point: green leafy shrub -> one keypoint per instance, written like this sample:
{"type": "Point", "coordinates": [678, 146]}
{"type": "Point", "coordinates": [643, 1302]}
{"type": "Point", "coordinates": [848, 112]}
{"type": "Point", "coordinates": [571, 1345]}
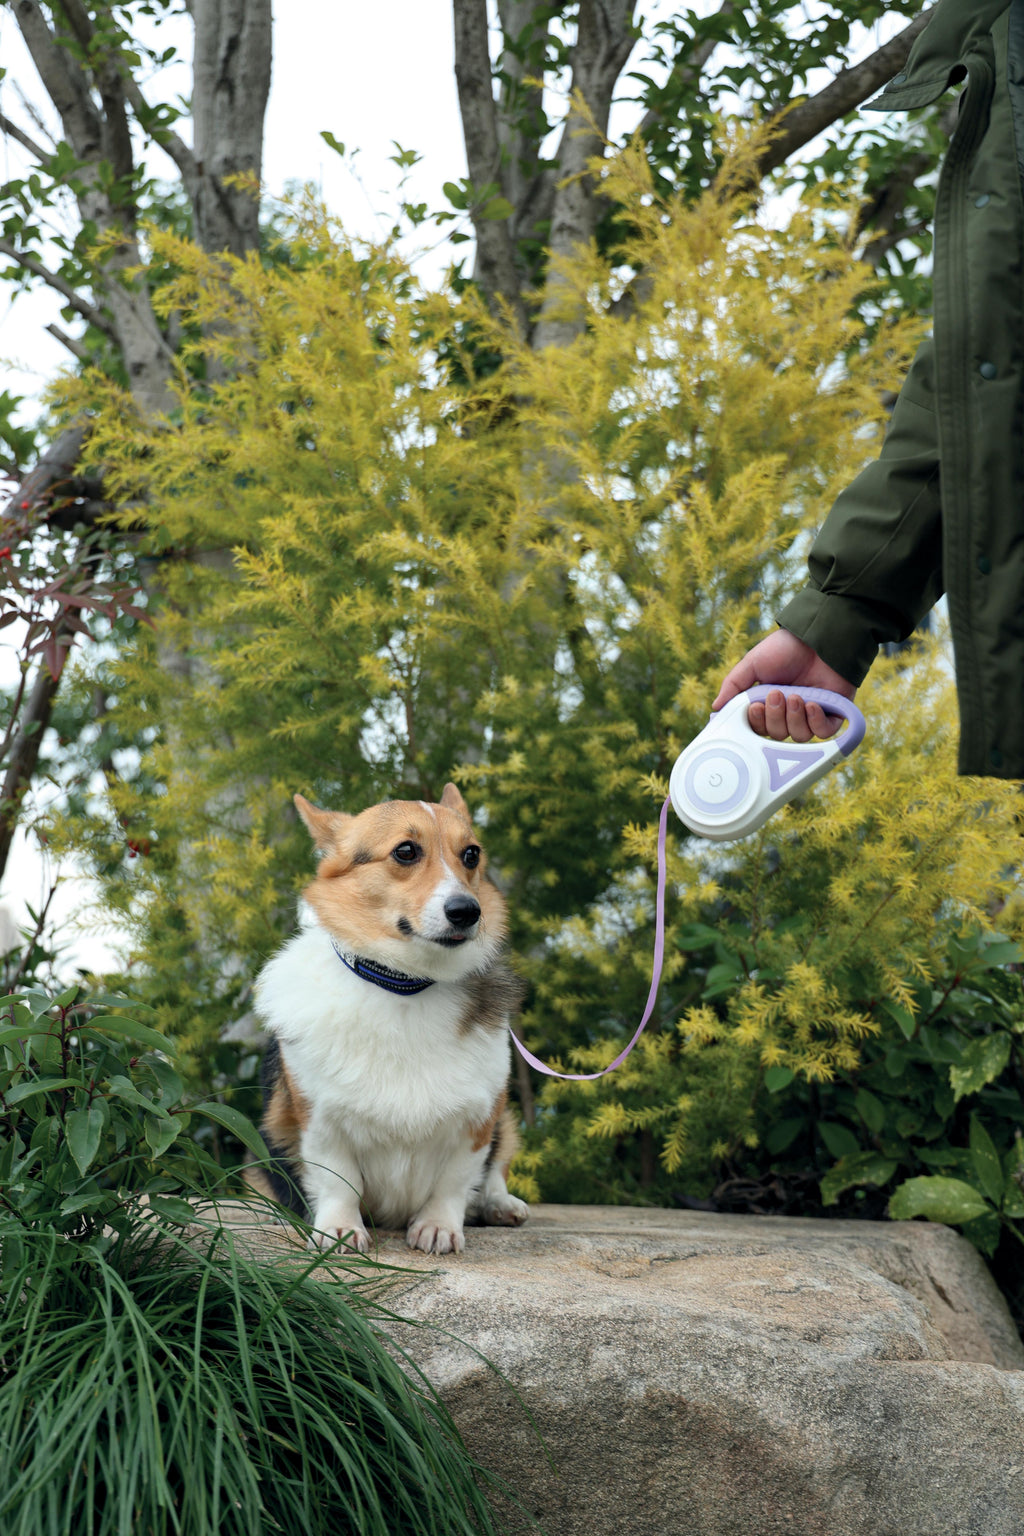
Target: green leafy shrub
{"type": "Point", "coordinates": [168, 1389]}
{"type": "Point", "coordinates": [93, 1120]}
{"type": "Point", "coordinates": [152, 1379]}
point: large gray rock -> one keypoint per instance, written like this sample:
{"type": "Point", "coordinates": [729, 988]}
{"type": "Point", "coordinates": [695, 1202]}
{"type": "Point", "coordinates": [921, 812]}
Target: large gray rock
{"type": "Point", "coordinates": [703, 1375]}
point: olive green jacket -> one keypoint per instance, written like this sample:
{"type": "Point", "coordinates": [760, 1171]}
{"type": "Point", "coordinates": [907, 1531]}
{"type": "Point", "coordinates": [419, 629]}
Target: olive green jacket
{"type": "Point", "coordinates": [942, 508]}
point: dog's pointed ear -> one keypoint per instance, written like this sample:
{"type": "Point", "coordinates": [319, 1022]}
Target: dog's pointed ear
{"type": "Point", "coordinates": [453, 801]}
{"type": "Point", "coordinates": [324, 827]}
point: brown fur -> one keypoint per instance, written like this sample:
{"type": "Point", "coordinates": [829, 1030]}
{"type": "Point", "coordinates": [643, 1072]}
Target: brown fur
{"type": "Point", "coordinates": [505, 1144]}
{"type": "Point", "coordinates": [495, 995]}
{"type": "Point", "coordinates": [482, 1134]}
{"type": "Point", "coordinates": [287, 1113]}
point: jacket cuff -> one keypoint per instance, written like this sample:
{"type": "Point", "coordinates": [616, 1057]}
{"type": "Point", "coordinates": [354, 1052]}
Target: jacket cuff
{"type": "Point", "coordinates": [842, 630]}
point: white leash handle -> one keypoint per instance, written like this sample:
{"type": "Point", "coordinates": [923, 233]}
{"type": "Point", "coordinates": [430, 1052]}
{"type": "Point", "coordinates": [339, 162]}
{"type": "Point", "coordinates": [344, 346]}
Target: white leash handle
{"type": "Point", "coordinates": [729, 780]}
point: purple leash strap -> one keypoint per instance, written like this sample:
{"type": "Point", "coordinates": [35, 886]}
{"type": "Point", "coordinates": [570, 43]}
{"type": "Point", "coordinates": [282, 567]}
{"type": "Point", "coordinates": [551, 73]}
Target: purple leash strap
{"type": "Point", "coordinates": [652, 996]}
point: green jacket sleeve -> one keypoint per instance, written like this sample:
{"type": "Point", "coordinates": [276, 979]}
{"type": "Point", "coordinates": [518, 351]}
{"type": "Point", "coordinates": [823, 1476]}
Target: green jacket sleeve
{"type": "Point", "coordinates": [876, 565]}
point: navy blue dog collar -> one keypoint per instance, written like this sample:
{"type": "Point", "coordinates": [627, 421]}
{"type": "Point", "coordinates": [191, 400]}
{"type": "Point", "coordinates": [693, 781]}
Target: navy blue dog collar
{"type": "Point", "coordinates": [382, 976]}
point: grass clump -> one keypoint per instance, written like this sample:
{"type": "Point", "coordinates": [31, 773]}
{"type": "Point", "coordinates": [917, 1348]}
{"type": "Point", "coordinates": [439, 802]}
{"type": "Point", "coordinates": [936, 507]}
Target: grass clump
{"type": "Point", "coordinates": [158, 1383]}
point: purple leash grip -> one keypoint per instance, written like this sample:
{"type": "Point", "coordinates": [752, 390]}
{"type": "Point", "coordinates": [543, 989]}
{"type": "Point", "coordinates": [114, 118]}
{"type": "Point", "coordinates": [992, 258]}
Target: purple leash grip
{"type": "Point", "coordinates": [831, 703]}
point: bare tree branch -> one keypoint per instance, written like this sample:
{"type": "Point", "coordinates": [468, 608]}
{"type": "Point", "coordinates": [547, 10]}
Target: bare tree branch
{"type": "Point", "coordinates": [14, 981]}
{"type": "Point", "coordinates": [231, 82]}
{"type": "Point", "coordinates": [55, 468]}
{"type": "Point", "coordinates": [24, 754]}
{"type": "Point", "coordinates": [21, 137]}
{"type": "Point", "coordinates": [64, 80]}
{"type": "Point", "coordinates": [800, 124]}
{"type": "Point", "coordinates": [74, 347]}
{"type": "Point", "coordinates": [54, 280]}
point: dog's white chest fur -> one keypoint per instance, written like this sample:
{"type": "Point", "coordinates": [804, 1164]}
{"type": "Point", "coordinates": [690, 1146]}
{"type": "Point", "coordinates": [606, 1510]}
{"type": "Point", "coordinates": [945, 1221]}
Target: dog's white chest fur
{"type": "Point", "coordinates": [386, 1067]}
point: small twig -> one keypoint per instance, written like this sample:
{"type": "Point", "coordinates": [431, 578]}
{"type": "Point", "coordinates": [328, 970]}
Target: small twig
{"type": "Point", "coordinates": [74, 347]}
{"type": "Point", "coordinates": [14, 132]}
{"type": "Point", "coordinates": [54, 280]}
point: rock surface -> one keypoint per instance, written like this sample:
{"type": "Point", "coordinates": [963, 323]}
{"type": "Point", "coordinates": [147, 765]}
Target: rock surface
{"type": "Point", "coordinates": [704, 1375]}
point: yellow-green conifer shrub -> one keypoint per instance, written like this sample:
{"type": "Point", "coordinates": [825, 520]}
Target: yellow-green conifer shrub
{"type": "Point", "coordinates": [531, 575]}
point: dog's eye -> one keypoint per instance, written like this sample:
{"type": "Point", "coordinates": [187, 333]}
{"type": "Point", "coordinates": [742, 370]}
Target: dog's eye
{"type": "Point", "coordinates": [406, 853]}
{"type": "Point", "coordinates": [471, 856]}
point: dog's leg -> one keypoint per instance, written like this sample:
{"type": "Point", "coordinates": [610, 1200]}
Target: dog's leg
{"type": "Point", "coordinates": [491, 1203]}
{"type": "Point", "coordinates": [495, 1206]}
{"type": "Point", "coordinates": [334, 1186]}
{"type": "Point", "coordinates": [437, 1225]}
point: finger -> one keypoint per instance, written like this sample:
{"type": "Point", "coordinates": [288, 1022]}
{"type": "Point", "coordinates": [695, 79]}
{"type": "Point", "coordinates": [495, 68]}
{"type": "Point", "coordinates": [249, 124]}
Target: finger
{"type": "Point", "coordinates": [755, 719]}
{"type": "Point", "coordinates": [775, 716]}
{"type": "Point", "coordinates": [796, 719]}
{"type": "Point", "coordinates": [742, 677]}
{"type": "Point", "coordinates": [822, 725]}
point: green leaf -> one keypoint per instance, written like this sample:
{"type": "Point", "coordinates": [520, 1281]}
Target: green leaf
{"type": "Point", "coordinates": [777, 1078]}
{"type": "Point", "coordinates": [170, 1084]}
{"type": "Point", "coordinates": [871, 1111]}
{"type": "Point", "coordinates": [984, 1232]}
{"type": "Point", "coordinates": [902, 1017]}
{"type": "Point", "coordinates": [940, 1048]}
{"type": "Point", "coordinates": [841, 1141]}
{"type": "Point", "coordinates": [332, 142]}
{"type": "Point", "coordinates": [124, 1089]}
{"type": "Point", "coordinates": [939, 1198]}
{"type": "Point", "coordinates": [88, 1196]}
{"type": "Point", "coordinates": [987, 1168]}
{"type": "Point", "coordinates": [997, 950]}
{"type": "Point", "coordinates": [1013, 1167]}
{"type": "Point", "coordinates": [233, 1120]}
{"type": "Point", "coordinates": [938, 1157]}
{"type": "Point", "coordinates": [895, 1062]}
{"type": "Point", "coordinates": [171, 1208]}
{"type": "Point", "coordinates": [980, 1062]}
{"type": "Point", "coordinates": [722, 977]}
{"type": "Point", "coordinates": [128, 1029]}
{"type": "Point", "coordinates": [12, 1034]}
{"type": "Point", "coordinates": [858, 1168]}
{"type": "Point", "coordinates": [161, 1134]}
{"type": "Point", "coordinates": [111, 1000]}
{"type": "Point", "coordinates": [783, 1134]}
{"type": "Point", "coordinates": [84, 1128]}
{"type": "Point", "coordinates": [32, 1086]}
{"type": "Point", "coordinates": [696, 936]}
{"type": "Point", "coordinates": [497, 208]}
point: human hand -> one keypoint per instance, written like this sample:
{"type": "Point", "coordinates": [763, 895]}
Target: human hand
{"type": "Point", "coordinates": [781, 658]}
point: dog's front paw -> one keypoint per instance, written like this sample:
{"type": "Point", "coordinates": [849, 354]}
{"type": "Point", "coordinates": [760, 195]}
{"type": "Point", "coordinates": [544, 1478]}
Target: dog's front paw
{"type": "Point", "coordinates": [505, 1211]}
{"type": "Point", "coordinates": [353, 1239]}
{"type": "Point", "coordinates": [435, 1234]}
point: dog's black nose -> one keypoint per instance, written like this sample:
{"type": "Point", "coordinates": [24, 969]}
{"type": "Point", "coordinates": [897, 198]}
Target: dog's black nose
{"type": "Point", "coordinates": [462, 911]}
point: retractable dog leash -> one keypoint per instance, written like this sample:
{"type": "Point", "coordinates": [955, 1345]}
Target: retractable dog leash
{"type": "Point", "coordinates": [725, 785]}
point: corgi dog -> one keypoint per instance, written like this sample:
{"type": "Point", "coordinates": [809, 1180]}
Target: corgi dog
{"type": "Point", "coordinates": [386, 1078]}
